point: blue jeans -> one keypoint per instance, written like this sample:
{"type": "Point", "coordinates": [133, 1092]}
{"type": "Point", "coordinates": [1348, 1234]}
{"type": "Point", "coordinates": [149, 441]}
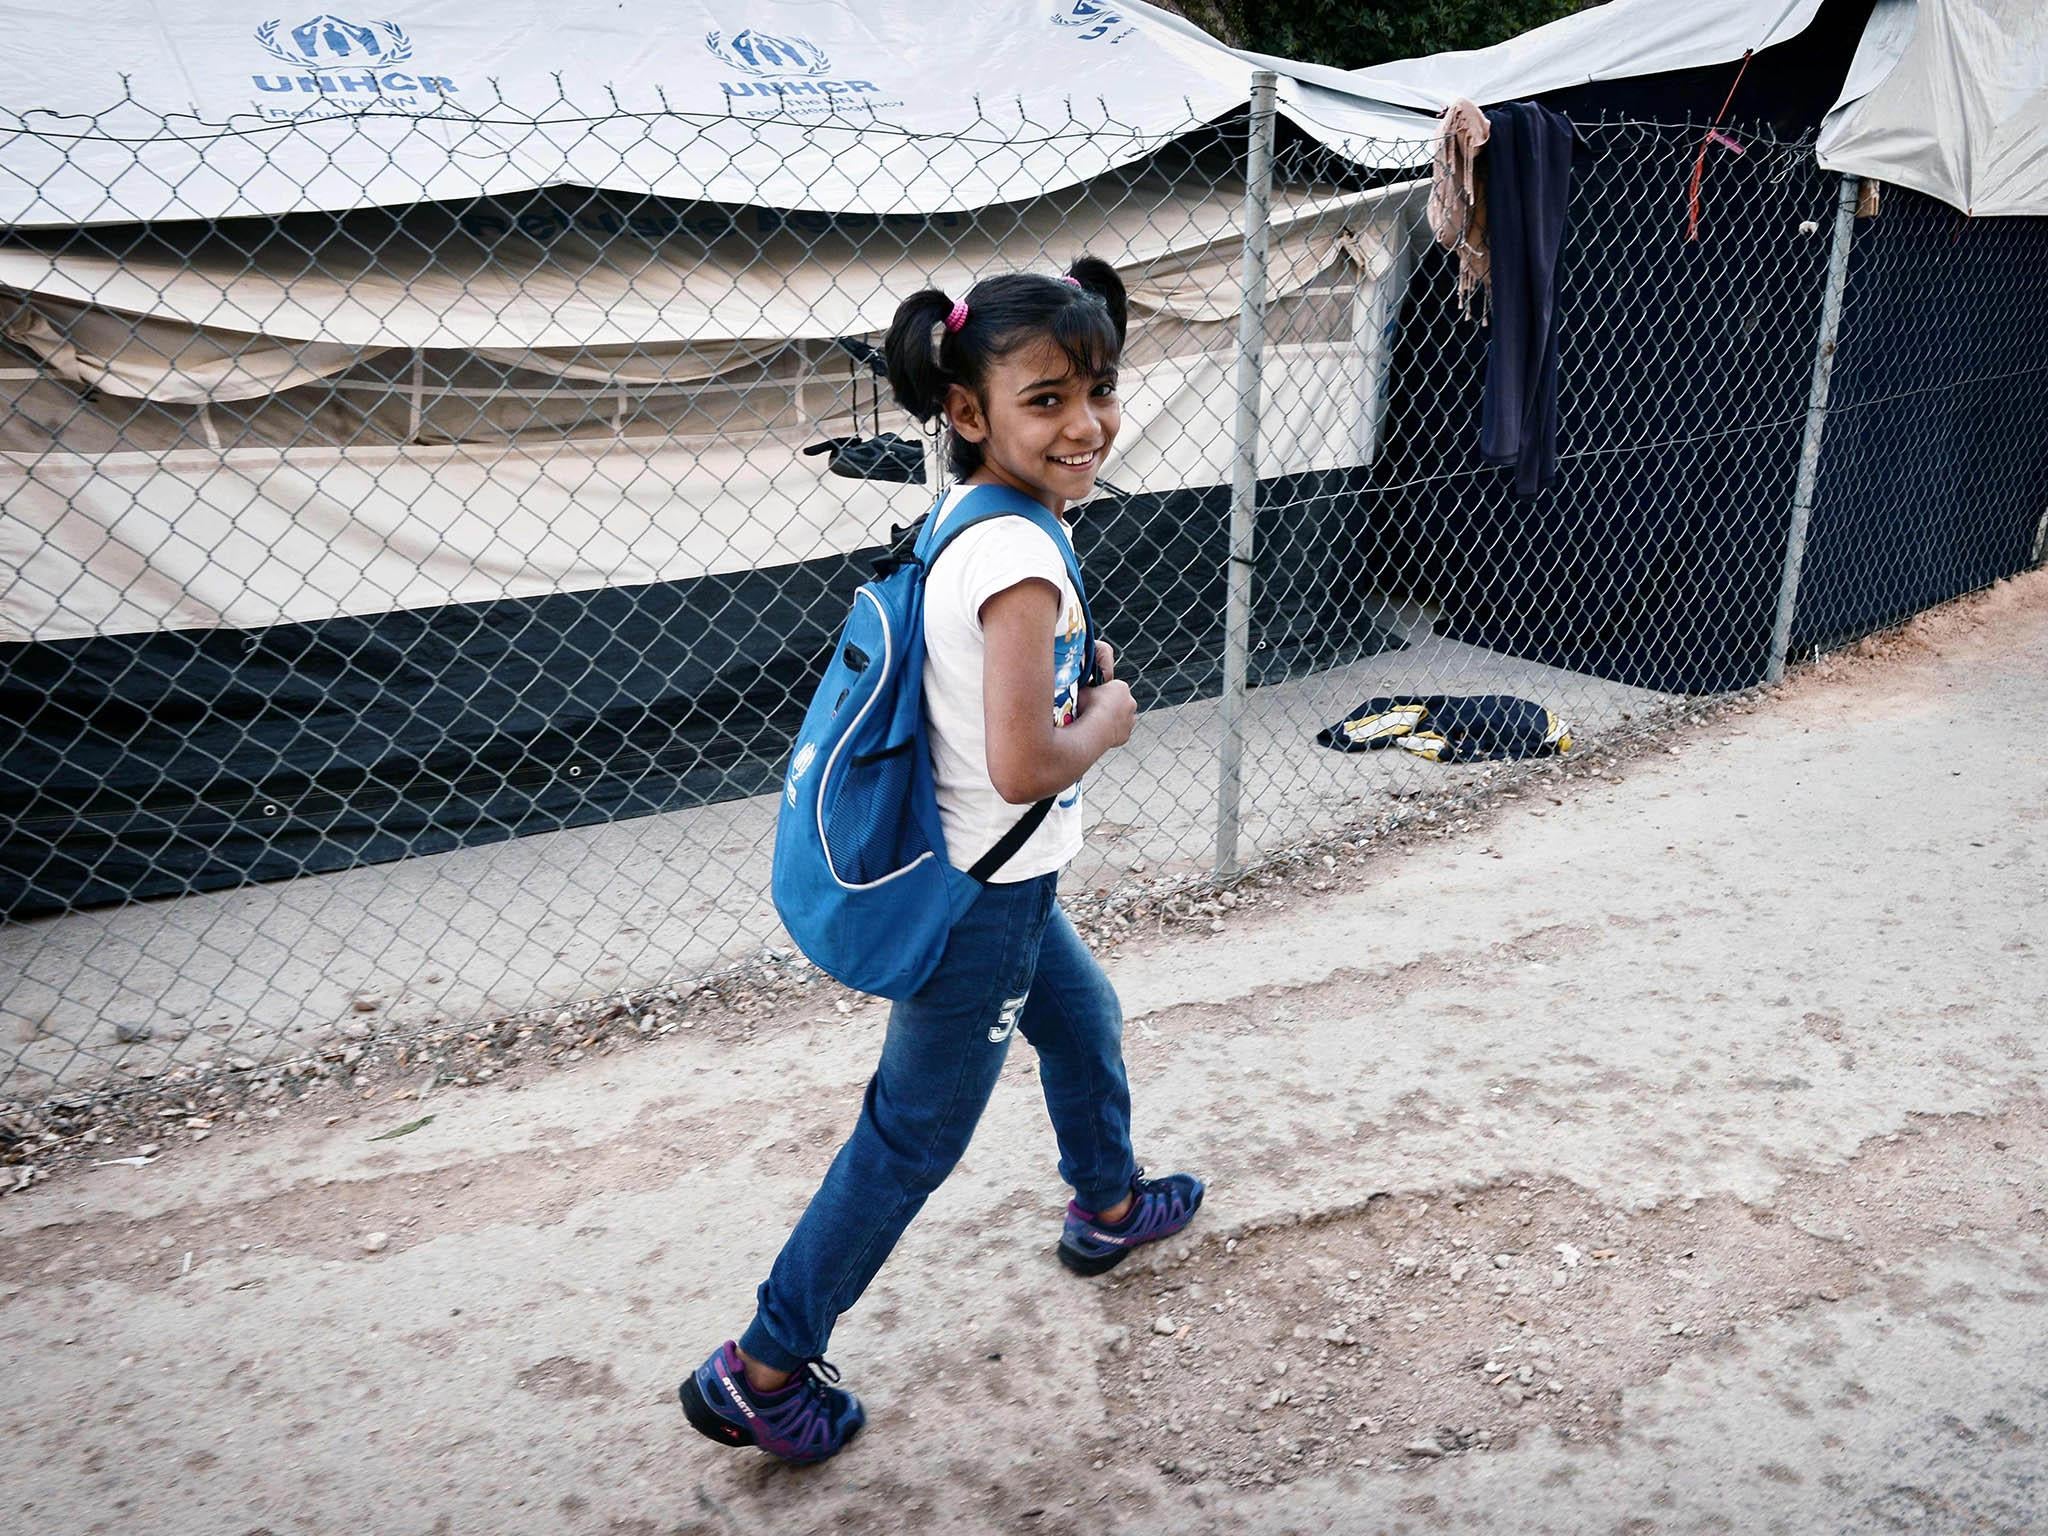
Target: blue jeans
{"type": "Point", "coordinates": [1013, 963]}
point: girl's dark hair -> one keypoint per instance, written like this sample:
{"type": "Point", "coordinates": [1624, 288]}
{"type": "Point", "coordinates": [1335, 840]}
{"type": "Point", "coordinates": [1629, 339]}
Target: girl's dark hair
{"type": "Point", "coordinates": [1086, 322]}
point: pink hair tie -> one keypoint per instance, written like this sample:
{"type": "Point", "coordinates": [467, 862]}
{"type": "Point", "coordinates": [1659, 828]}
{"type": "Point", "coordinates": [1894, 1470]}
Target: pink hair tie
{"type": "Point", "coordinates": [1070, 280]}
{"type": "Point", "coordinates": [957, 317]}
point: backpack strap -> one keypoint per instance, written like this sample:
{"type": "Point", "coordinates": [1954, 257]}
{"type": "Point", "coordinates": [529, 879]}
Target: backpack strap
{"type": "Point", "coordinates": [982, 504]}
{"type": "Point", "coordinates": [1006, 847]}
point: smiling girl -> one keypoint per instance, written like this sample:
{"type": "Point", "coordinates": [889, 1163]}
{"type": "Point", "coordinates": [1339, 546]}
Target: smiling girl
{"type": "Point", "coordinates": [1023, 370]}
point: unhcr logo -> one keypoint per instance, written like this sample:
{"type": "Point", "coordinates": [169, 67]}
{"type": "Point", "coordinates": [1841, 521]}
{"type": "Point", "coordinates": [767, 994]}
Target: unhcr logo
{"type": "Point", "coordinates": [759, 54]}
{"type": "Point", "coordinates": [1099, 19]}
{"type": "Point", "coordinates": [786, 70]}
{"type": "Point", "coordinates": [329, 42]}
{"type": "Point", "coordinates": [348, 58]}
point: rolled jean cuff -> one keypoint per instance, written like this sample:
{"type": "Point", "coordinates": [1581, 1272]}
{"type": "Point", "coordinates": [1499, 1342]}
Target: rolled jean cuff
{"type": "Point", "coordinates": [757, 1343]}
{"type": "Point", "coordinates": [1096, 1201]}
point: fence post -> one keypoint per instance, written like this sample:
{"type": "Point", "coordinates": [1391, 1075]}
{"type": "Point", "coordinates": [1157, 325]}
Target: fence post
{"type": "Point", "coordinates": [1816, 423]}
{"type": "Point", "coordinates": [1244, 469]}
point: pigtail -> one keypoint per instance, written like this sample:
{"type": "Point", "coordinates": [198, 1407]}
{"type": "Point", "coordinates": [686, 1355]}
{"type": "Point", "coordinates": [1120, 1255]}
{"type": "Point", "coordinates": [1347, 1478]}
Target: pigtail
{"type": "Point", "coordinates": [1099, 278]}
{"type": "Point", "coordinates": [912, 351]}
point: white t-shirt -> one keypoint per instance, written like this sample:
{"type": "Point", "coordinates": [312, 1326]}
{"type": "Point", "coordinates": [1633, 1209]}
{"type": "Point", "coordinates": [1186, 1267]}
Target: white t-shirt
{"type": "Point", "coordinates": [988, 558]}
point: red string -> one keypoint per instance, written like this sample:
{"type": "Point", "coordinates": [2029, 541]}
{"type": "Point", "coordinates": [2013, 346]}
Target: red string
{"type": "Point", "coordinates": [1699, 165]}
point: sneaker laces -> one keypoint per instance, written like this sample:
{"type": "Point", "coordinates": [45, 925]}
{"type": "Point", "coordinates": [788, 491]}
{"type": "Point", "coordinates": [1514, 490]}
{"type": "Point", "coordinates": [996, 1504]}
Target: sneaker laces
{"type": "Point", "coordinates": [810, 1411]}
{"type": "Point", "coordinates": [1143, 1189]}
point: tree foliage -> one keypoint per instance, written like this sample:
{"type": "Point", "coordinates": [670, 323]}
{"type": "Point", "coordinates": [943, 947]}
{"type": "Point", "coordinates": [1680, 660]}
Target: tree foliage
{"type": "Point", "coordinates": [1351, 36]}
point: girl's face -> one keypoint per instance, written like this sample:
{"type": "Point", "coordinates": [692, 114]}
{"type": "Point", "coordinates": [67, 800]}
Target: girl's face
{"type": "Point", "coordinates": [1043, 429]}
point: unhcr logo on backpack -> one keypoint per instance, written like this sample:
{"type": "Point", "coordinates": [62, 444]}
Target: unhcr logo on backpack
{"type": "Point", "coordinates": [788, 74]}
{"type": "Point", "coordinates": [349, 64]}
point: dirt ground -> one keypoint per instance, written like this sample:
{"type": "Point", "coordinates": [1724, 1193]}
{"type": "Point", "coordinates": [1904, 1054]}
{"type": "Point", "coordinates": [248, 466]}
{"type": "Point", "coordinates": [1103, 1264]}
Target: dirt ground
{"type": "Point", "coordinates": [1667, 1152]}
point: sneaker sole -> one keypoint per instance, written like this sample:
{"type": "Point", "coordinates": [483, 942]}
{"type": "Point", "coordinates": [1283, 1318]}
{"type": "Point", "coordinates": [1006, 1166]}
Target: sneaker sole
{"type": "Point", "coordinates": [1096, 1264]}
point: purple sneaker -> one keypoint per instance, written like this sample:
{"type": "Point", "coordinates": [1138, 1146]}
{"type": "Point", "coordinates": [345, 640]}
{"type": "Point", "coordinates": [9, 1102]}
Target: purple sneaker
{"type": "Point", "coordinates": [808, 1420]}
{"type": "Point", "coordinates": [1159, 1208]}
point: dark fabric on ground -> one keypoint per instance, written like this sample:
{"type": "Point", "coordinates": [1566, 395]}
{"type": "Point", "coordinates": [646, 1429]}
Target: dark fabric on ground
{"type": "Point", "coordinates": [1486, 727]}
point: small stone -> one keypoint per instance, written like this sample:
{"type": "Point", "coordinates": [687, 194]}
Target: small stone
{"type": "Point", "coordinates": [1429, 1448]}
{"type": "Point", "coordinates": [355, 1029]}
{"type": "Point", "coordinates": [376, 1242]}
{"type": "Point", "coordinates": [1559, 1279]}
{"type": "Point", "coordinates": [1459, 1268]}
{"type": "Point", "coordinates": [130, 1034]}
{"type": "Point", "coordinates": [241, 1064]}
{"type": "Point", "coordinates": [367, 1002]}
{"type": "Point", "coordinates": [1165, 1326]}
{"type": "Point", "coordinates": [1503, 1261]}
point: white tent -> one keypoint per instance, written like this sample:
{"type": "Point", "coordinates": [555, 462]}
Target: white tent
{"type": "Point", "coordinates": [583, 359]}
{"type": "Point", "coordinates": [411, 409]}
{"type": "Point", "coordinates": [862, 107]}
{"type": "Point", "coordinates": [868, 107]}
{"type": "Point", "coordinates": [1948, 97]}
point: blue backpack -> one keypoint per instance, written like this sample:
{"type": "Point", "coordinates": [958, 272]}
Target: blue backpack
{"type": "Point", "coordinates": [861, 879]}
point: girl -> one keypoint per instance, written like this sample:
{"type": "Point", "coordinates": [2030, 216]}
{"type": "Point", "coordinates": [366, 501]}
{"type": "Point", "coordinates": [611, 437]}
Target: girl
{"type": "Point", "coordinates": [1024, 371]}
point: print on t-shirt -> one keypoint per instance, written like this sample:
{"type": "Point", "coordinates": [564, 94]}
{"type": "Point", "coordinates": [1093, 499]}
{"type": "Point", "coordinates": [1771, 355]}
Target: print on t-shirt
{"type": "Point", "coordinates": [1067, 665]}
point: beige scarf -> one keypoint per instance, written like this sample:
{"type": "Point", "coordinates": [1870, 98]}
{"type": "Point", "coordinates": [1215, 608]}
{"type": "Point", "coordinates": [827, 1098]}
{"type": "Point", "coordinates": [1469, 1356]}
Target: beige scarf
{"type": "Point", "coordinates": [1457, 198]}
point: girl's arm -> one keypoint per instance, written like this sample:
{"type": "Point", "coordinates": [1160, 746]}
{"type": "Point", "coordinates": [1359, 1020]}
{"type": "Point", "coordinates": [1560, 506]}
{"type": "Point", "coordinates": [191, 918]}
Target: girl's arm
{"type": "Point", "coordinates": [1028, 757]}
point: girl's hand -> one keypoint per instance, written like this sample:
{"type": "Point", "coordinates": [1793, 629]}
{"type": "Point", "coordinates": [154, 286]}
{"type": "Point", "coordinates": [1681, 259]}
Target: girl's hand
{"type": "Point", "coordinates": [1110, 710]}
{"type": "Point", "coordinates": [1105, 662]}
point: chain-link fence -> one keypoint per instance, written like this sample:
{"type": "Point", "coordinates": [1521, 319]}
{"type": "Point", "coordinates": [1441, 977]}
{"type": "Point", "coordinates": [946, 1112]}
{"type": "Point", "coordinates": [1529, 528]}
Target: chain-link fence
{"type": "Point", "coordinates": [407, 609]}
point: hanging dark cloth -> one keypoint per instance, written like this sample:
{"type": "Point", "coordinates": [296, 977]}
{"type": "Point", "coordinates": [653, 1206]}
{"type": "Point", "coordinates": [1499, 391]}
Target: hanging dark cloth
{"type": "Point", "coordinates": [1528, 187]}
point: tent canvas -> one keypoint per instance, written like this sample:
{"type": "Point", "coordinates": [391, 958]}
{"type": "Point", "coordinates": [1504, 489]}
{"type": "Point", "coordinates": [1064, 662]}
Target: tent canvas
{"type": "Point", "coordinates": [415, 496]}
{"type": "Point", "coordinates": [846, 107]}
{"type": "Point", "coordinates": [439, 524]}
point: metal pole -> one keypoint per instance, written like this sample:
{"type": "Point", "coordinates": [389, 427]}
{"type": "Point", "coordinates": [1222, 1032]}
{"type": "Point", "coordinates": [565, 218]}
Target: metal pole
{"type": "Point", "coordinates": [1816, 423]}
{"type": "Point", "coordinates": [1244, 468]}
